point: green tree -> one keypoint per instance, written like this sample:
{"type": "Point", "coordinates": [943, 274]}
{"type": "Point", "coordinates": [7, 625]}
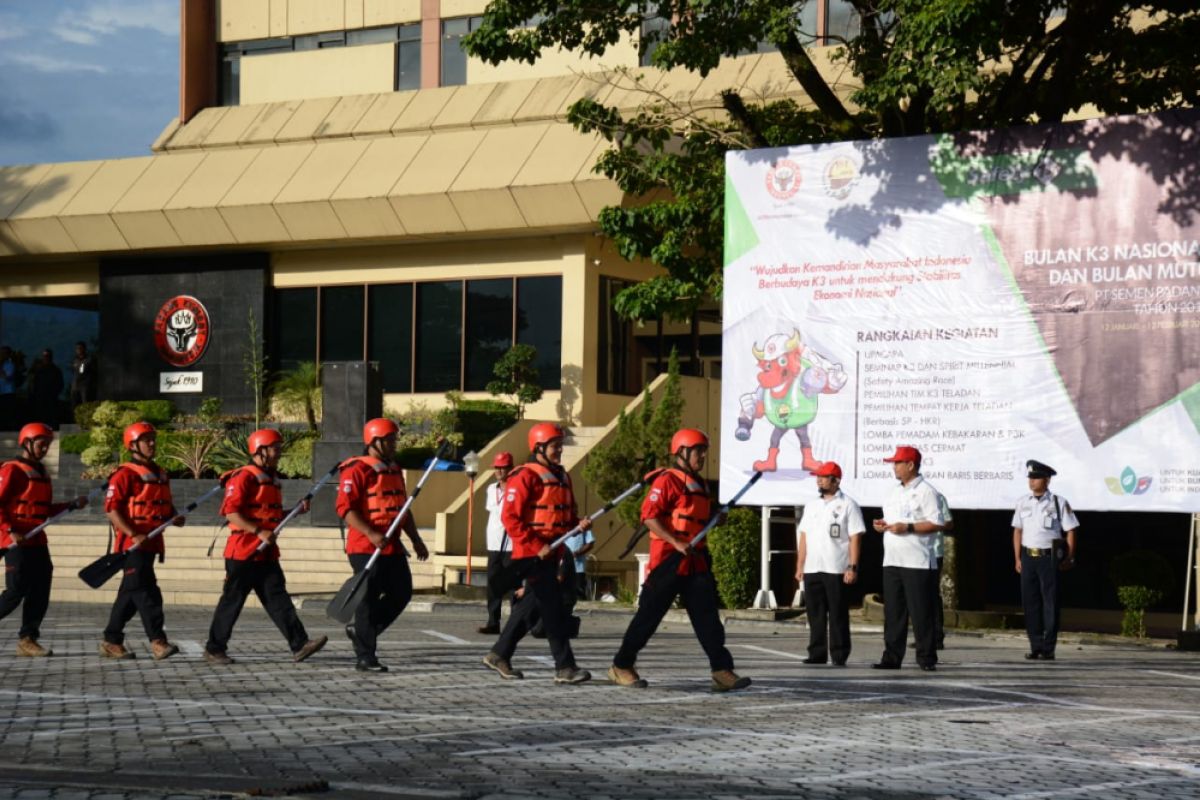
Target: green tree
{"type": "Point", "coordinates": [254, 364]}
{"type": "Point", "coordinates": [920, 66]}
{"type": "Point", "coordinates": [298, 391]}
{"type": "Point", "coordinates": [517, 377]}
{"type": "Point", "coordinates": [639, 444]}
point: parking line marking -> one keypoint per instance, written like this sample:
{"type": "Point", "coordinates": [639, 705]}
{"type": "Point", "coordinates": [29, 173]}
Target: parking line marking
{"type": "Point", "coordinates": [446, 637]}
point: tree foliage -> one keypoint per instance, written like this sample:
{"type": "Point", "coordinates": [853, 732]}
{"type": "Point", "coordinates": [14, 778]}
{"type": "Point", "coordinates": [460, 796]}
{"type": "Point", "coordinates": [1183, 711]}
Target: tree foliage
{"type": "Point", "coordinates": [517, 377]}
{"type": "Point", "coordinates": [919, 66]}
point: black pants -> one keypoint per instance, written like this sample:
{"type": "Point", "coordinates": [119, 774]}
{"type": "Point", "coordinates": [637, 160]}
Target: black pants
{"type": "Point", "coordinates": [138, 594]}
{"type": "Point", "coordinates": [265, 579]}
{"type": "Point", "coordinates": [389, 588]}
{"type": "Point", "coordinates": [828, 616]}
{"type": "Point", "coordinates": [27, 576]}
{"type": "Point", "coordinates": [909, 593]}
{"type": "Point", "coordinates": [498, 561]}
{"type": "Point", "coordinates": [1039, 597]}
{"type": "Point", "coordinates": [698, 591]}
{"type": "Point", "coordinates": [939, 622]}
{"type": "Point", "coordinates": [543, 600]}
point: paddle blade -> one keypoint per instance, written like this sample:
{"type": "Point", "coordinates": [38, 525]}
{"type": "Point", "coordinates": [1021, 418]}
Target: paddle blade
{"type": "Point", "coordinates": [345, 602]}
{"type": "Point", "coordinates": [97, 573]}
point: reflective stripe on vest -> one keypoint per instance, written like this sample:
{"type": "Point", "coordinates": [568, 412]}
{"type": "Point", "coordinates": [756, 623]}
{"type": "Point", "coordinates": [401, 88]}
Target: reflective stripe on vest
{"type": "Point", "coordinates": [32, 506]}
{"type": "Point", "coordinates": [552, 511]}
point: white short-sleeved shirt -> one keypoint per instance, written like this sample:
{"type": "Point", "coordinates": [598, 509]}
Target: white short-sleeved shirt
{"type": "Point", "coordinates": [577, 543]}
{"type": "Point", "coordinates": [916, 502]}
{"type": "Point", "coordinates": [497, 539]}
{"type": "Point", "coordinates": [1040, 521]}
{"type": "Point", "coordinates": [939, 545]}
{"type": "Point", "coordinates": [825, 552]}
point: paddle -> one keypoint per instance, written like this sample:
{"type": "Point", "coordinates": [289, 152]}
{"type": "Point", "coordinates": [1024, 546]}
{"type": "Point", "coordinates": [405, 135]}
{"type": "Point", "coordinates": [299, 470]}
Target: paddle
{"type": "Point", "coordinates": [346, 601]}
{"type": "Point", "coordinates": [92, 495]}
{"type": "Point", "coordinates": [99, 571]}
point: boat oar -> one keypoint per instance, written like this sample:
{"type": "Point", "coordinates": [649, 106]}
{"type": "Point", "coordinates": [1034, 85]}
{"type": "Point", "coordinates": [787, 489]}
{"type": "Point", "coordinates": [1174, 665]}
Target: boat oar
{"type": "Point", "coordinates": [346, 601]}
{"type": "Point", "coordinates": [674, 559]}
{"type": "Point", "coordinates": [296, 508]}
{"type": "Point", "coordinates": [99, 571]}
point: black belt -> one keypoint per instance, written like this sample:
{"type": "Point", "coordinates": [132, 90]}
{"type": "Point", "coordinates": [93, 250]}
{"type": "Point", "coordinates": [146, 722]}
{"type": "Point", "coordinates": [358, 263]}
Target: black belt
{"type": "Point", "coordinates": [1038, 552]}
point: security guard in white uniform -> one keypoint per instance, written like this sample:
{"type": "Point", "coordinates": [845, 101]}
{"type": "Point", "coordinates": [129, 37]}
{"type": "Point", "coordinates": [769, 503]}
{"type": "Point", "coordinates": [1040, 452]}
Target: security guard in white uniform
{"type": "Point", "coordinates": [1042, 522]}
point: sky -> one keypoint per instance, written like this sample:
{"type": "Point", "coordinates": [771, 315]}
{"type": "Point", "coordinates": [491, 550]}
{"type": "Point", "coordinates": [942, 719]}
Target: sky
{"type": "Point", "coordinates": [86, 79]}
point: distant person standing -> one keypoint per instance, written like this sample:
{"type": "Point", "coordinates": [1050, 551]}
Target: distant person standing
{"type": "Point", "coordinates": [45, 389]}
{"type": "Point", "coordinates": [83, 376]}
{"type": "Point", "coordinates": [1044, 545]}
{"type": "Point", "coordinates": [499, 546]}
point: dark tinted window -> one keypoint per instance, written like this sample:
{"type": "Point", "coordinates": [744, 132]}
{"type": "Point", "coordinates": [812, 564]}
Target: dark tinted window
{"type": "Point", "coordinates": [489, 328]}
{"type": "Point", "coordinates": [616, 372]}
{"type": "Point", "coordinates": [342, 323]}
{"type": "Point", "coordinates": [539, 323]}
{"type": "Point", "coordinates": [439, 336]}
{"type": "Point", "coordinates": [293, 328]}
{"type": "Point", "coordinates": [454, 60]}
{"type": "Point", "coordinates": [389, 334]}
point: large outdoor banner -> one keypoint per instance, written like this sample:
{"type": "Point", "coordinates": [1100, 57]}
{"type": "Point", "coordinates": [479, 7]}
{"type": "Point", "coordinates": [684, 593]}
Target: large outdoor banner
{"type": "Point", "coordinates": [988, 298]}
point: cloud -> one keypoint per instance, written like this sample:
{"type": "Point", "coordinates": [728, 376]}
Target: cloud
{"type": "Point", "coordinates": [10, 28]}
{"type": "Point", "coordinates": [19, 126]}
{"type": "Point", "coordinates": [42, 63]}
{"type": "Point", "coordinates": [106, 17]}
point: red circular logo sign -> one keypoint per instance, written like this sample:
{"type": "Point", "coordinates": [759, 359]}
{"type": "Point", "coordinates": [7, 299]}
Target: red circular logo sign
{"type": "Point", "coordinates": [181, 330]}
{"type": "Point", "coordinates": [783, 179]}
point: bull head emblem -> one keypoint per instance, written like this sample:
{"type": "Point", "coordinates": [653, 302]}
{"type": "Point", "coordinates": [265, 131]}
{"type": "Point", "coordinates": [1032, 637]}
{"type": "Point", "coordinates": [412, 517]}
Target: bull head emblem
{"type": "Point", "coordinates": [181, 330]}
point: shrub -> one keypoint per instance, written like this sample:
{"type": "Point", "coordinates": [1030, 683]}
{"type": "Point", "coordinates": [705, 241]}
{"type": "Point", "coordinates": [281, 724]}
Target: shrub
{"type": "Point", "coordinates": [74, 442]}
{"type": "Point", "coordinates": [517, 376]}
{"type": "Point", "coordinates": [156, 412]}
{"type": "Point", "coordinates": [1135, 600]}
{"type": "Point", "coordinates": [83, 413]}
{"type": "Point", "coordinates": [297, 393]}
{"type": "Point", "coordinates": [210, 409]}
{"type": "Point", "coordinates": [188, 451]}
{"type": "Point", "coordinates": [480, 421]}
{"type": "Point", "coordinates": [297, 461]}
{"type": "Point", "coordinates": [106, 413]}
{"type": "Point", "coordinates": [1142, 578]}
{"type": "Point", "coordinates": [735, 552]}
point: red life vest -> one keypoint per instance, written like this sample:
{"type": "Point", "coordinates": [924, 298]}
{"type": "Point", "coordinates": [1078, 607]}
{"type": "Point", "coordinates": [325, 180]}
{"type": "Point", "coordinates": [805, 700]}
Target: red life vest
{"type": "Point", "coordinates": [265, 508]}
{"type": "Point", "coordinates": [150, 507]}
{"type": "Point", "coordinates": [32, 506]}
{"type": "Point", "coordinates": [688, 517]}
{"type": "Point", "coordinates": [550, 512]}
{"type": "Point", "coordinates": [386, 493]}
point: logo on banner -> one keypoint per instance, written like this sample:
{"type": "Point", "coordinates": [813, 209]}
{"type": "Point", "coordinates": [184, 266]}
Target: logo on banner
{"type": "Point", "coordinates": [841, 176]}
{"type": "Point", "coordinates": [181, 330]}
{"type": "Point", "coordinates": [783, 179]}
{"type": "Point", "coordinates": [1129, 483]}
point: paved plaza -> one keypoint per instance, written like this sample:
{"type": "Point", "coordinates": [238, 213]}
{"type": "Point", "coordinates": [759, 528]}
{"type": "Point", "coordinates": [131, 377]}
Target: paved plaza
{"type": "Point", "coordinates": [1104, 721]}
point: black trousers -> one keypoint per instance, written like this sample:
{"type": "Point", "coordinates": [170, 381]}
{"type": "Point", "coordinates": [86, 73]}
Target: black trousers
{"type": "Point", "coordinates": [828, 616]}
{"type": "Point", "coordinates": [389, 589]}
{"type": "Point", "coordinates": [909, 593]}
{"type": "Point", "coordinates": [138, 594]}
{"type": "Point", "coordinates": [498, 561]}
{"type": "Point", "coordinates": [543, 600]}
{"type": "Point", "coordinates": [1039, 597]}
{"type": "Point", "coordinates": [698, 592]}
{"type": "Point", "coordinates": [265, 579]}
{"type": "Point", "coordinates": [28, 572]}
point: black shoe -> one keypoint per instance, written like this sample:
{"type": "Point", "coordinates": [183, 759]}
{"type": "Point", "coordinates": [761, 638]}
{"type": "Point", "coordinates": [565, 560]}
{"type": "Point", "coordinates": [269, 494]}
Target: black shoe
{"type": "Point", "coordinates": [1047, 656]}
{"type": "Point", "coordinates": [1033, 656]}
{"type": "Point", "coordinates": [929, 667]}
{"type": "Point", "coordinates": [488, 629]}
{"type": "Point", "coordinates": [839, 663]}
{"type": "Point", "coordinates": [941, 645]}
{"type": "Point", "coordinates": [811, 660]}
{"type": "Point", "coordinates": [885, 665]}
{"type": "Point", "coordinates": [370, 664]}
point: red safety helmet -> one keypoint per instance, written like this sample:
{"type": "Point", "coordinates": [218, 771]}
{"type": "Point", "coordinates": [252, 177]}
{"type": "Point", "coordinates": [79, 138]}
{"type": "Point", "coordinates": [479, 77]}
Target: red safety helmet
{"type": "Point", "coordinates": [688, 438]}
{"type": "Point", "coordinates": [544, 433]}
{"type": "Point", "coordinates": [263, 438]}
{"type": "Point", "coordinates": [378, 429]}
{"type": "Point", "coordinates": [136, 431]}
{"type": "Point", "coordinates": [34, 430]}
{"type": "Point", "coordinates": [502, 460]}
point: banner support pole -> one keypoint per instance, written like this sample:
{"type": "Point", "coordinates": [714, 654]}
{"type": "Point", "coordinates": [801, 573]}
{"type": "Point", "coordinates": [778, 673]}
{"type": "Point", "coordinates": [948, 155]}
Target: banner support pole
{"type": "Point", "coordinates": [765, 597]}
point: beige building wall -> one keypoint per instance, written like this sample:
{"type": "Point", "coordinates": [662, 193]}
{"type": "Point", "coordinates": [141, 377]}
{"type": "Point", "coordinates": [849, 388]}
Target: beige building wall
{"type": "Point", "coordinates": [306, 74]}
{"type": "Point", "coordinates": [25, 281]}
{"type": "Point", "coordinates": [239, 20]}
{"type": "Point", "coordinates": [554, 62]}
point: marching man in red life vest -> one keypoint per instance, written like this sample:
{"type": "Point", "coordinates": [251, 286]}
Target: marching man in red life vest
{"type": "Point", "coordinates": [25, 503]}
{"type": "Point", "coordinates": [676, 509]}
{"type": "Point", "coordinates": [370, 494]}
{"type": "Point", "coordinates": [253, 506]}
{"type": "Point", "coordinates": [138, 501]}
{"type": "Point", "coordinates": [539, 506]}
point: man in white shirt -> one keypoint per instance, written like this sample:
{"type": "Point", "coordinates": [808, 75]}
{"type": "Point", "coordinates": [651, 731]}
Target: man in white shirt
{"type": "Point", "coordinates": [827, 545]}
{"type": "Point", "coordinates": [1041, 523]}
{"type": "Point", "coordinates": [912, 515]}
{"type": "Point", "coordinates": [498, 546]}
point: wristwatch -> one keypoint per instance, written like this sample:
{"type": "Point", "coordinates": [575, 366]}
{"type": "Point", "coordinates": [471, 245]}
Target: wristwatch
{"type": "Point", "coordinates": [912, 528]}
{"type": "Point", "coordinates": [853, 567]}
